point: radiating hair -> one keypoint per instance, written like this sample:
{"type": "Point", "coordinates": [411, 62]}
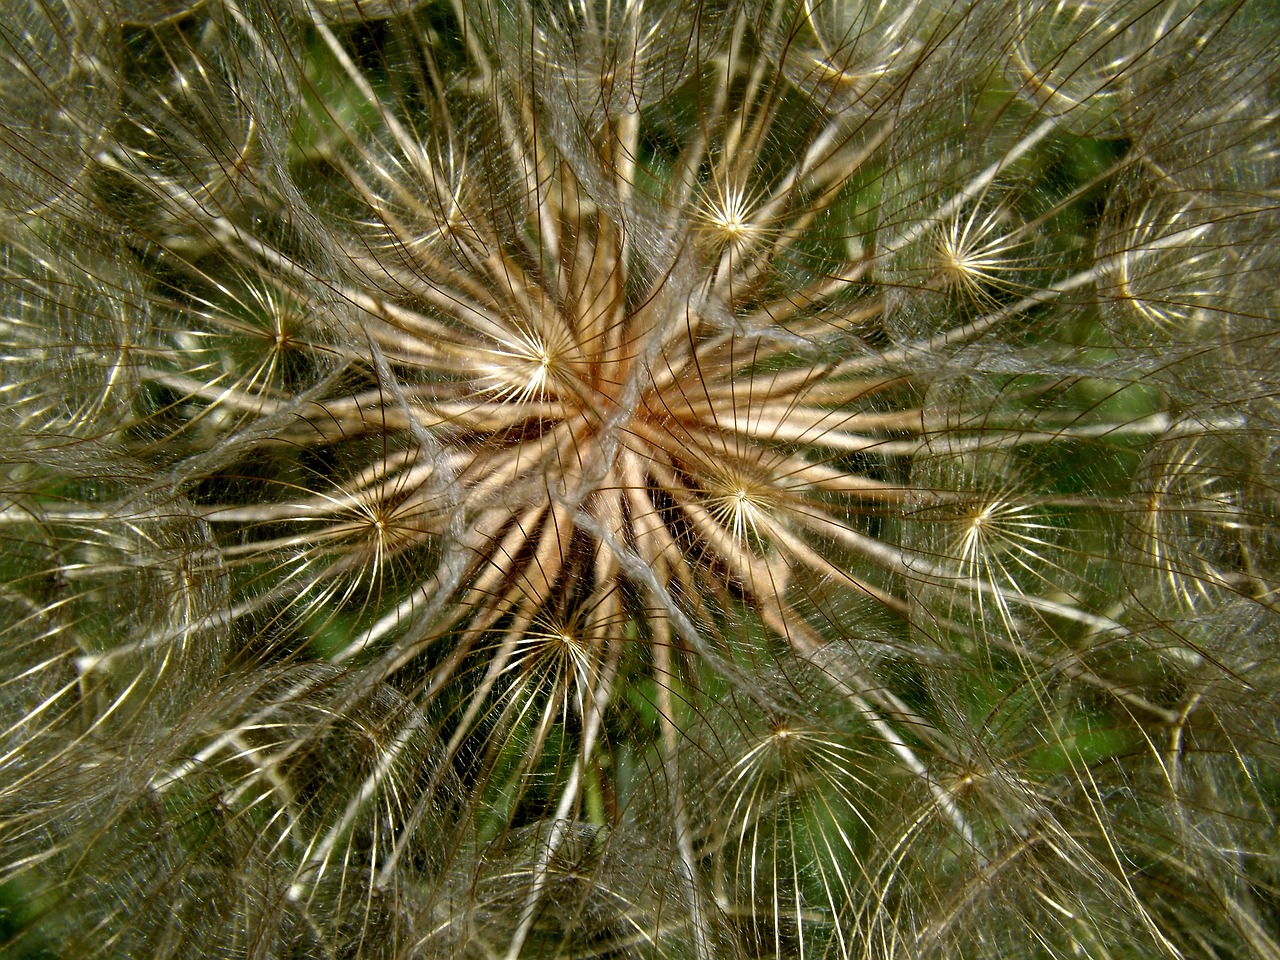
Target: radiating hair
{"type": "Point", "coordinates": [687, 479]}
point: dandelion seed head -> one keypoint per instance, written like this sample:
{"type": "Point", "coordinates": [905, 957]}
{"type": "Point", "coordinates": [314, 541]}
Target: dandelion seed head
{"type": "Point", "coordinates": [660, 478]}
